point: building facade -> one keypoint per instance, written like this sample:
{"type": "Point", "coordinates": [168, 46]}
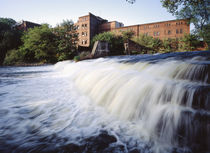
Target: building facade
{"type": "Point", "coordinates": [87, 27]}
{"type": "Point", "coordinates": [90, 25]}
{"type": "Point", "coordinates": [25, 25]}
{"type": "Point", "coordinates": [173, 29]}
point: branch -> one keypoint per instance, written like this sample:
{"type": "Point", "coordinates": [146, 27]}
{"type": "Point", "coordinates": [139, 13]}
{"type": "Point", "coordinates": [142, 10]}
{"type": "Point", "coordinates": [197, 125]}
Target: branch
{"type": "Point", "coordinates": [131, 1]}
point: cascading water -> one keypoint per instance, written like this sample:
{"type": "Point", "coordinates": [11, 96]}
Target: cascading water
{"type": "Point", "coordinates": [147, 103]}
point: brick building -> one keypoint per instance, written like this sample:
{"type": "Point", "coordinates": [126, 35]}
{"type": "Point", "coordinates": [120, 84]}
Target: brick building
{"type": "Point", "coordinates": [25, 25]}
{"type": "Point", "coordinates": [90, 25]}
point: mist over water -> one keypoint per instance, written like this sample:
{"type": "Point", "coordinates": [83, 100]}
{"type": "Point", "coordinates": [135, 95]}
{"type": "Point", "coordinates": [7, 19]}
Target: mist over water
{"type": "Point", "coordinates": [146, 103]}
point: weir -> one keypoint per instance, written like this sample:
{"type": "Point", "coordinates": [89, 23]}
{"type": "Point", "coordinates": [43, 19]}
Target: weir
{"type": "Point", "coordinates": [124, 104]}
{"type": "Point", "coordinates": [168, 100]}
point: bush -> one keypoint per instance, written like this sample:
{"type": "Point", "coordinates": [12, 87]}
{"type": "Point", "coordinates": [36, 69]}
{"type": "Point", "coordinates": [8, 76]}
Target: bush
{"type": "Point", "coordinates": [189, 43]}
{"type": "Point", "coordinates": [115, 42]}
{"type": "Point", "coordinates": [76, 58]}
{"type": "Point", "coordinates": [13, 57]}
{"type": "Point", "coordinates": [39, 45]}
{"type": "Point", "coordinates": [66, 40]}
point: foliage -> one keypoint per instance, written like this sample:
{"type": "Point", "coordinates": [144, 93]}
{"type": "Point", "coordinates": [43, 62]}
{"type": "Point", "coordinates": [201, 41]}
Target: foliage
{"type": "Point", "coordinates": [131, 1]}
{"type": "Point", "coordinates": [9, 37]}
{"type": "Point", "coordinates": [157, 45]}
{"type": "Point", "coordinates": [169, 45]}
{"type": "Point", "coordinates": [66, 40]}
{"type": "Point", "coordinates": [197, 11]}
{"type": "Point", "coordinates": [13, 57]}
{"type": "Point", "coordinates": [127, 35]}
{"type": "Point", "coordinates": [115, 42]}
{"type": "Point", "coordinates": [189, 43]}
{"type": "Point", "coordinates": [76, 58]}
{"type": "Point", "coordinates": [144, 40]}
{"type": "Point", "coordinates": [205, 34]}
{"type": "Point", "coordinates": [39, 45]}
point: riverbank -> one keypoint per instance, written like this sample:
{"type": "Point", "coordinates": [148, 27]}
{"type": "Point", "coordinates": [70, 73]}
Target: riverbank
{"type": "Point", "coordinates": [29, 64]}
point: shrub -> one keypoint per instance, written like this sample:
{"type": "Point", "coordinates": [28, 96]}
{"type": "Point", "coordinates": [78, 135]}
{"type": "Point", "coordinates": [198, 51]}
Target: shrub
{"type": "Point", "coordinates": [115, 42]}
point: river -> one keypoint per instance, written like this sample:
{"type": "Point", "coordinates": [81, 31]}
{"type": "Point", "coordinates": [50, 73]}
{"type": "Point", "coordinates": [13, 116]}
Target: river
{"type": "Point", "coordinates": [146, 103]}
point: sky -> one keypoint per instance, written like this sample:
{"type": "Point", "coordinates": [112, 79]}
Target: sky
{"type": "Point", "coordinates": [54, 12]}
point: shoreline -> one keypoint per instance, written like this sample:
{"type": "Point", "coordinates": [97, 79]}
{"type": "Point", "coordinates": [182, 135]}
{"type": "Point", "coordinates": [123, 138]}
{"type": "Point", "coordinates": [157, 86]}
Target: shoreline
{"type": "Point", "coordinates": [27, 64]}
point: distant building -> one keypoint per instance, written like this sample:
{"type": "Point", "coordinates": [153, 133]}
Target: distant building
{"type": "Point", "coordinates": [163, 30]}
{"type": "Point", "coordinates": [25, 25]}
{"type": "Point", "coordinates": [87, 28]}
{"type": "Point", "coordinates": [90, 25]}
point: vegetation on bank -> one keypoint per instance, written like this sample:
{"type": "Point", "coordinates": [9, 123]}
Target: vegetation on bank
{"type": "Point", "coordinates": [9, 37]}
{"type": "Point", "coordinates": [197, 11]}
{"type": "Point", "coordinates": [37, 45]}
{"type": "Point", "coordinates": [187, 43]}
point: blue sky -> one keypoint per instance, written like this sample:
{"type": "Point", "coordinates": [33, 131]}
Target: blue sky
{"type": "Point", "coordinates": [54, 11]}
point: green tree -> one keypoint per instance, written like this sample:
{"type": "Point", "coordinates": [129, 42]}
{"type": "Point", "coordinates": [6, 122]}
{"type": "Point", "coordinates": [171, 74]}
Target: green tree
{"type": "Point", "coordinates": [197, 11]}
{"type": "Point", "coordinates": [205, 34]}
{"type": "Point", "coordinates": [169, 45]}
{"type": "Point", "coordinates": [67, 38]}
{"type": "Point", "coordinates": [115, 42]}
{"type": "Point", "coordinates": [156, 44]}
{"type": "Point", "coordinates": [127, 35]}
{"type": "Point", "coordinates": [131, 1]}
{"type": "Point", "coordinates": [147, 41]}
{"type": "Point", "coordinates": [189, 43]}
{"type": "Point", "coordinates": [9, 37]}
{"type": "Point", "coordinates": [144, 40]}
{"type": "Point", "coordinates": [39, 45]}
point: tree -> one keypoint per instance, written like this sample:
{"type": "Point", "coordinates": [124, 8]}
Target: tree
{"type": "Point", "coordinates": [147, 41]}
{"type": "Point", "coordinates": [115, 42]}
{"type": "Point", "coordinates": [9, 37]}
{"type": "Point", "coordinates": [39, 45]}
{"type": "Point", "coordinates": [67, 38]}
{"type": "Point", "coordinates": [189, 42]}
{"type": "Point", "coordinates": [144, 40]}
{"type": "Point", "coordinates": [205, 34]}
{"type": "Point", "coordinates": [197, 11]}
{"type": "Point", "coordinates": [127, 35]}
{"type": "Point", "coordinates": [131, 1]}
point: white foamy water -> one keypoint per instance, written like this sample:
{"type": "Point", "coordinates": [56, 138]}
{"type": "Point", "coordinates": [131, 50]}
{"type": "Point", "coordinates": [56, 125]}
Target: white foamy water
{"type": "Point", "coordinates": [146, 105]}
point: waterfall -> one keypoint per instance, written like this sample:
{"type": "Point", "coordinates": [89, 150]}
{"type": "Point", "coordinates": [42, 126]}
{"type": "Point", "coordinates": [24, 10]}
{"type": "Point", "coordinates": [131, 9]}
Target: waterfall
{"type": "Point", "coordinates": [123, 104]}
{"type": "Point", "coordinates": [169, 99]}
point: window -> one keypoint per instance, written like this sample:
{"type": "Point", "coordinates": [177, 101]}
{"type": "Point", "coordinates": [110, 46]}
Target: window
{"type": "Point", "coordinates": [156, 26]}
{"type": "Point", "coordinates": [84, 42]}
{"type": "Point", "coordinates": [168, 24]}
{"type": "Point", "coordinates": [146, 27]}
{"type": "Point", "coordinates": [177, 31]}
{"type": "Point", "coordinates": [181, 31]}
{"type": "Point", "coordinates": [169, 32]}
{"type": "Point", "coordinates": [77, 27]}
{"type": "Point", "coordinates": [83, 34]}
{"type": "Point", "coordinates": [84, 26]}
{"type": "Point", "coordinates": [156, 33]}
{"type": "Point", "coordinates": [178, 23]}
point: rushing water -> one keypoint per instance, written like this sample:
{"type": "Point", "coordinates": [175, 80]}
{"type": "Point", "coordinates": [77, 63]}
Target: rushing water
{"type": "Point", "coordinates": [146, 103]}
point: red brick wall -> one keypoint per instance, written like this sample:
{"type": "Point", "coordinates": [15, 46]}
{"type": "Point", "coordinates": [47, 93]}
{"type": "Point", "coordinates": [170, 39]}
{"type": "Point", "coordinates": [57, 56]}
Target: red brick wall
{"type": "Point", "coordinates": [162, 30]}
